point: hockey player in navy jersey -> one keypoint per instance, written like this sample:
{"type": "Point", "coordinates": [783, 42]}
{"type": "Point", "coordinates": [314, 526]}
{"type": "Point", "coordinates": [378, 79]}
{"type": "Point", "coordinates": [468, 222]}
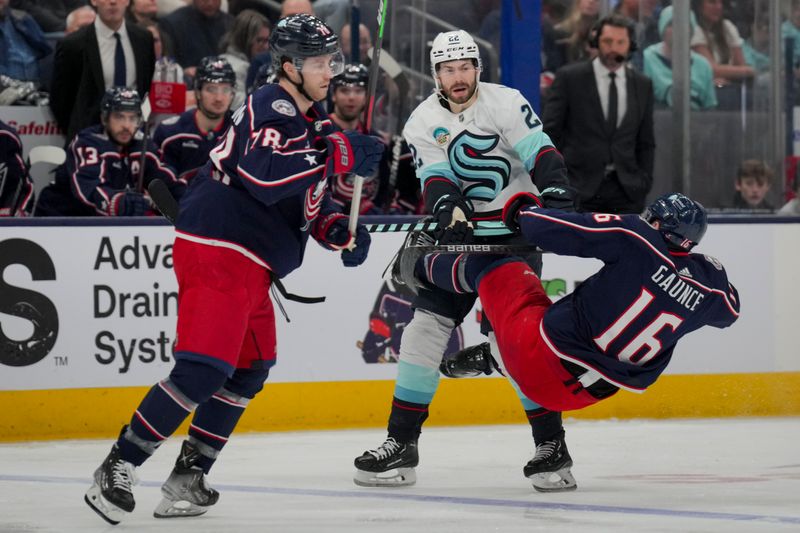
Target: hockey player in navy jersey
{"type": "Point", "coordinates": [184, 141]}
{"type": "Point", "coordinates": [99, 177]}
{"type": "Point", "coordinates": [617, 330]}
{"type": "Point", "coordinates": [16, 187]}
{"type": "Point", "coordinates": [244, 220]}
{"type": "Point", "coordinates": [475, 144]}
{"type": "Point", "coordinates": [349, 97]}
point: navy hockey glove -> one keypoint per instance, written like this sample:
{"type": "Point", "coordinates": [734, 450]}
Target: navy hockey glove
{"type": "Point", "coordinates": [128, 204]}
{"type": "Point", "coordinates": [558, 198]}
{"type": "Point", "coordinates": [519, 201]}
{"type": "Point", "coordinates": [356, 256]}
{"type": "Point", "coordinates": [451, 218]}
{"type": "Point", "coordinates": [351, 152]}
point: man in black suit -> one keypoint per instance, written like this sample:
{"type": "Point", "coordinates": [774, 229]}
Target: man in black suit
{"type": "Point", "coordinates": [102, 55]}
{"type": "Point", "coordinates": [600, 116]}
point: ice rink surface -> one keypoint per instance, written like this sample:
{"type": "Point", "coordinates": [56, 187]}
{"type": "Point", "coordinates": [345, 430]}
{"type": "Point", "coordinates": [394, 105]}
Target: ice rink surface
{"type": "Point", "coordinates": [658, 476]}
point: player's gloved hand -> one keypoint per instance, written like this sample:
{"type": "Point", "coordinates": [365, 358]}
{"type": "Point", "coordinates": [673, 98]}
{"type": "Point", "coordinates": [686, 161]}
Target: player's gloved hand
{"type": "Point", "coordinates": [558, 198]}
{"type": "Point", "coordinates": [351, 152]}
{"type": "Point", "coordinates": [515, 204]}
{"type": "Point", "coordinates": [128, 204]}
{"type": "Point", "coordinates": [452, 226]}
{"type": "Point", "coordinates": [356, 256]}
{"type": "Point", "coordinates": [338, 237]}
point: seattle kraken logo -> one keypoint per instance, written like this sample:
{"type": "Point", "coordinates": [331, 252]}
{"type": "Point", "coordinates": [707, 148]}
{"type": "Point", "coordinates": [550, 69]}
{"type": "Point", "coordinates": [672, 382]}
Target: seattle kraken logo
{"type": "Point", "coordinates": [485, 175]}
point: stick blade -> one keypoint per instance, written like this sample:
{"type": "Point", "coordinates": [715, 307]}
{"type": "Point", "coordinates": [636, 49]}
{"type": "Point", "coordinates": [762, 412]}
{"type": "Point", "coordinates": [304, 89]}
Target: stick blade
{"type": "Point", "coordinates": [166, 203]}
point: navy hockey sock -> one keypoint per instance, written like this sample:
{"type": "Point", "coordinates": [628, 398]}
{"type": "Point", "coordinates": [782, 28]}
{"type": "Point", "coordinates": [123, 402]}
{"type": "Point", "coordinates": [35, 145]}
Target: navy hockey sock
{"type": "Point", "coordinates": [215, 419]}
{"type": "Point", "coordinates": [165, 406]}
{"type": "Point", "coordinates": [545, 424]}
{"type": "Point", "coordinates": [457, 273]}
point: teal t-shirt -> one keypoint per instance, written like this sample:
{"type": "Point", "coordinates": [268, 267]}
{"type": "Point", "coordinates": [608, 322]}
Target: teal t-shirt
{"type": "Point", "coordinates": [659, 69]}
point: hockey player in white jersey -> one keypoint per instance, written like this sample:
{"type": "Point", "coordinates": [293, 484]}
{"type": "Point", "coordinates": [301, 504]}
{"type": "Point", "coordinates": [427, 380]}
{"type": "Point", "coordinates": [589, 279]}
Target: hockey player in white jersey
{"type": "Point", "coordinates": [474, 145]}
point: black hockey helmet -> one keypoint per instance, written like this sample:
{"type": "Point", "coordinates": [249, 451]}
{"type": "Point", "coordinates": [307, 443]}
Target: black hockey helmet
{"type": "Point", "coordinates": [214, 69]}
{"type": "Point", "coordinates": [354, 75]}
{"type": "Point", "coordinates": [682, 221]}
{"type": "Point", "coordinates": [264, 75]}
{"type": "Point", "coordinates": [120, 99]}
{"type": "Point", "coordinates": [297, 37]}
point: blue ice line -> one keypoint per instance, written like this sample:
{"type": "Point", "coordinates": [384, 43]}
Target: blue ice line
{"type": "Point", "coordinates": [391, 494]}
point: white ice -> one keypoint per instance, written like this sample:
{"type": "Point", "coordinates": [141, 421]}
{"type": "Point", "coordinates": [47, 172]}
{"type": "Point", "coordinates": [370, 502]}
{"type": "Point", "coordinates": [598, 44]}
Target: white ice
{"type": "Point", "coordinates": [724, 475]}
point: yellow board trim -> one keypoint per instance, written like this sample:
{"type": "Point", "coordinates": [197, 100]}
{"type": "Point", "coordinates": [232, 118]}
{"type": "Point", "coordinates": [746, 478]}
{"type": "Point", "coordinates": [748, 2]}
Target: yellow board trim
{"type": "Point", "coordinates": [99, 413]}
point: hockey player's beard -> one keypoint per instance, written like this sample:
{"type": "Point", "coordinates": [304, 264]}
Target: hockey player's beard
{"type": "Point", "coordinates": [209, 115]}
{"type": "Point", "coordinates": [463, 99]}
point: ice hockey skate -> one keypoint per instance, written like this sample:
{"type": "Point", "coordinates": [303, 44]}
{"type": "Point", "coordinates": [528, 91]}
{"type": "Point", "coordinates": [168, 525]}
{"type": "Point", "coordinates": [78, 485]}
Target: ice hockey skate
{"type": "Point", "coordinates": [111, 495]}
{"type": "Point", "coordinates": [469, 362]}
{"type": "Point", "coordinates": [390, 465]}
{"type": "Point", "coordinates": [549, 470]}
{"type": "Point", "coordinates": [186, 492]}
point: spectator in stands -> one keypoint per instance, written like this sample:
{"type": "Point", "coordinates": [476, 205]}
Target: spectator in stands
{"type": "Point", "coordinates": [142, 11]}
{"type": "Point", "coordinates": [599, 114]}
{"type": "Point", "coordinates": [22, 44]}
{"type": "Point", "coordinates": [49, 14]}
{"type": "Point", "coordinates": [717, 39]}
{"type": "Point", "coordinates": [756, 48]}
{"type": "Point", "coordinates": [364, 42]}
{"type": "Point", "coordinates": [573, 32]}
{"type": "Point", "coordinates": [790, 29]}
{"type": "Point", "coordinates": [658, 67]}
{"type": "Point", "coordinates": [16, 187]}
{"type": "Point", "coordinates": [195, 31]}
{"type": "Point", "coordinates": [247, 38]}
{"type": "Point", "coordinates": [155, 31]}
{"type": "Point", "coordinates": [107, 53]}
{"type": "Point", "coordinates": [100, 175]}
{"type": "Point", "coordinates": [79, 18]}
{"type": "Point", "coordinates": [753, 182]}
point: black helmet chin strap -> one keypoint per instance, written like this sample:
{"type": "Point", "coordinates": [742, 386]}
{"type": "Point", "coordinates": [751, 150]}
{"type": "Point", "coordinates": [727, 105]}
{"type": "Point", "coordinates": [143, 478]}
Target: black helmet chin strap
{"type": "Point", "coordinates": [300, 86]}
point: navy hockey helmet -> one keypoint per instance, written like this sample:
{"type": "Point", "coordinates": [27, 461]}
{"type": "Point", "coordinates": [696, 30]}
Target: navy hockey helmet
{"type": "Point", "coordinates": [120, 99]}
{"type": "Point", "coordinates": [214, 69]}
{"type": "Point", "coordinates": [298, 37]}
{"type": "Point", "coordinates": [682, 221]}
{"type": "Point", "coordinates": [354, 75]}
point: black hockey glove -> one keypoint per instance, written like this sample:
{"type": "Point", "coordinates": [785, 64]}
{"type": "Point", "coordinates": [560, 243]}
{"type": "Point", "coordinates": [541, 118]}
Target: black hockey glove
{"type": "Point", "coordinates": [351, 152]}
{"type": "Point", "coordinates": [128, 204]}
{"type": "Point", "coordinates": [558, 198]}
{"type": "Point", "coordinates": [515, 204]}
{"type": "Point", "coordinates": [451, 218]}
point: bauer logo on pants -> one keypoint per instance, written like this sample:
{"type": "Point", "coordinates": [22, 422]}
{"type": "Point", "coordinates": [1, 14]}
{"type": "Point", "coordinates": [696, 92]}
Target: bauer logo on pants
{"type": "Point", "coordinates": [26, 305]}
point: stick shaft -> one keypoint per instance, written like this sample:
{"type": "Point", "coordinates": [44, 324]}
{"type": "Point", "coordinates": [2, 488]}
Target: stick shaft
{"type": "Point", "coordinates": [374, 69]}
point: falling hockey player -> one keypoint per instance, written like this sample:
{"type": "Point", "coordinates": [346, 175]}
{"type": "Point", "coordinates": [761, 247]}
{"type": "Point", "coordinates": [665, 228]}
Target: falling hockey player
{"type": "Point", "coordinates": [617, 330]}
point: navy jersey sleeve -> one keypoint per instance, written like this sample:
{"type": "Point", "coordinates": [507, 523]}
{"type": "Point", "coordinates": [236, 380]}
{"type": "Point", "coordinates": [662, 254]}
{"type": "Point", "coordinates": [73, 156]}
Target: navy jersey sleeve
{"type": "Point", "coordinates": [87, 167]}
{"type": "Point", "coordinates": [155, 168]}
{"type": "Point", "coordinates": [720, 290]}
{"type": "Point", "coordinates": [275, 159]}
{"type": "Point", "coordinates": [600, 235]}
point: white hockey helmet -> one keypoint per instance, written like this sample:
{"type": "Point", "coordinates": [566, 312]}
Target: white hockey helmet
{"type": "Point", "coordinates": [453, 45]}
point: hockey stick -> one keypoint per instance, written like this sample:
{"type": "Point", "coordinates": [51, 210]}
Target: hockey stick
{"type": "Point", "coordinates": [165, 202]}
{"type": "Point", "coordinates": [510, 249]}
{"type": "Point", "coordinates": [143, 157]}
{"type": "Point", "coordinates": [482, 229]}
{"type": "Point", "coordinates": [374, 69]}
